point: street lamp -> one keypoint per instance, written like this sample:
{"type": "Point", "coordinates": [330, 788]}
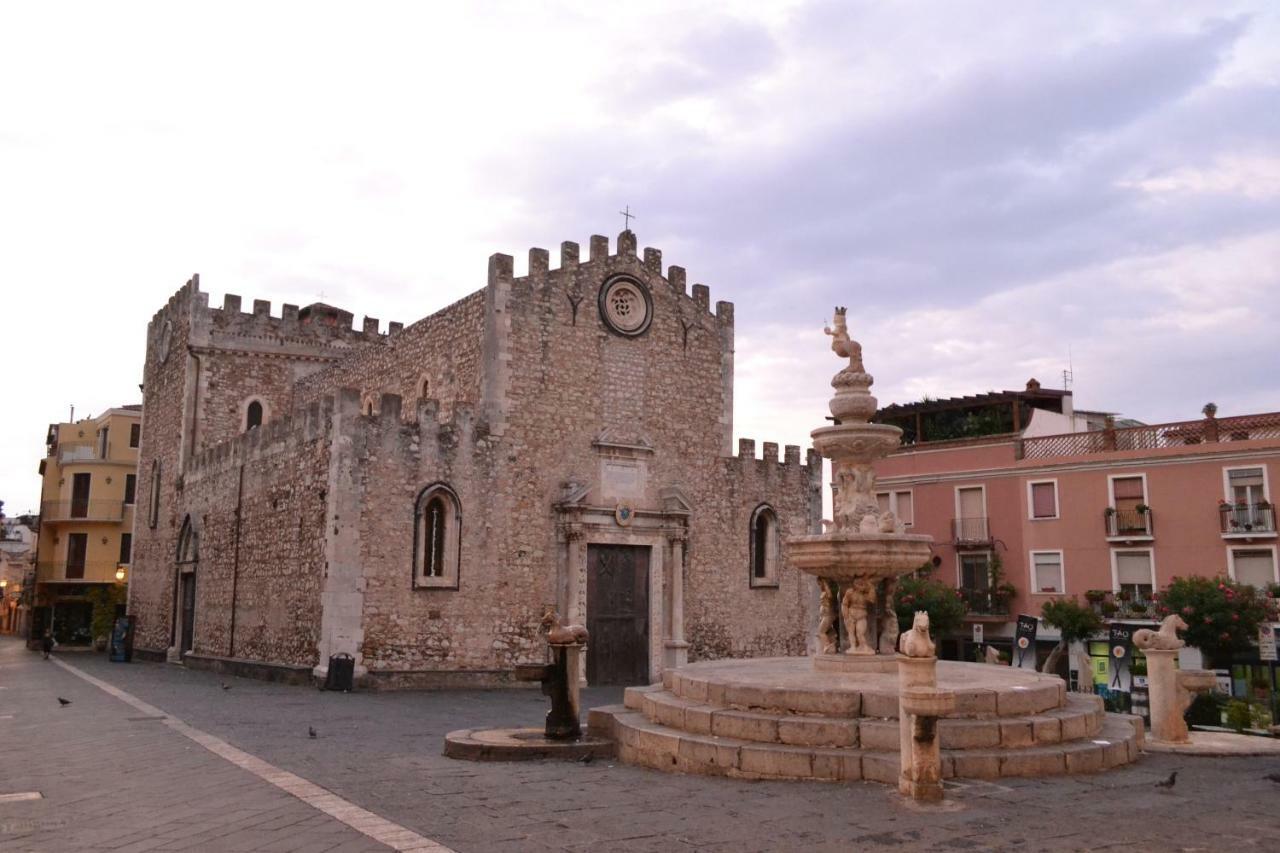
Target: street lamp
{"type": "Point", "coordinates": [120, 572]}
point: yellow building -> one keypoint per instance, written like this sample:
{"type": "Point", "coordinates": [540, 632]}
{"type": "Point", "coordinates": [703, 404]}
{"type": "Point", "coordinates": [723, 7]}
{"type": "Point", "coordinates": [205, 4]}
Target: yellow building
{"type": "Point", "coordinates": [86, 520]}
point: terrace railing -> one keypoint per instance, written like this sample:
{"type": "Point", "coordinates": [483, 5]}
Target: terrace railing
{"type": "Point", "coordinates": [1247, 518]}
{"type": "Point", "coordinates": [1153, 437]}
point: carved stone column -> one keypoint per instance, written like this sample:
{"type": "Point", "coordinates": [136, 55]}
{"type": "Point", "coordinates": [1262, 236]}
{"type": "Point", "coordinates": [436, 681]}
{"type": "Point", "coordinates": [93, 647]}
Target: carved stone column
{"type": "Point", "coordinates": [677, 649]}
{"type": "Point", "coordinates": [575, 572]}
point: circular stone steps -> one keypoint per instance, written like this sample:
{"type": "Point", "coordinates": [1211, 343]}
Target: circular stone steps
{"type": "Point", "coordinates": [779, 719]}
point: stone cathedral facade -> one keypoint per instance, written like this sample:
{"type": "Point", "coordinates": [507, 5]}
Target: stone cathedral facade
{"type": "Point", "coordinates": [417, 498]}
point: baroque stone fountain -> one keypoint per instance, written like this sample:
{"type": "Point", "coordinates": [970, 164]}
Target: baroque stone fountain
{"type": "Point", "coordinates": [905, 719]}
{"type": "Point", "coordinates": [857, 563]}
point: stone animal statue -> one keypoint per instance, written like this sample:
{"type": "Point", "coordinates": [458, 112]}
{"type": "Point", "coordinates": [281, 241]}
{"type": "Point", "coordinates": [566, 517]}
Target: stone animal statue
{"type": "Point", "coordinates": [562, 635]}
{"type": "Point", "coordinates": [1165, 638]}
{"type": "Point", "coordinates": [916, 643]}
{"type": "Point", "coordinates": [888, 522]}
{"type": "Point", "coordinates": [993, 655]}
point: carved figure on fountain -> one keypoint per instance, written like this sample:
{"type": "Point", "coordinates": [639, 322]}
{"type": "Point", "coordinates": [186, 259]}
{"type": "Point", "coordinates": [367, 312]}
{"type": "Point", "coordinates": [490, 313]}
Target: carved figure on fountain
{"type": "Point", "coordinates": [828, 632]}
{"type": "Point", "coordinates": [856, 604]}
{"type": "Point", "coordinates": [888, 640]}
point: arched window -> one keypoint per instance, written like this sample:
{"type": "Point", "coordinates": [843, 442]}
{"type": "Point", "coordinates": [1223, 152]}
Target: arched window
{"type": "Point", "coordinates": [153, 503]}
{"type": "Point", "coordinates": [424, 388]}
{"type": "Point", "coordinates": [184, 592]}
{"type": "Point", "coordinates": [437, 538]}
{"type": "Point", "coordinates": [253, 415]}
{"type": "Point", "coordinates": [369, 404]}
{"type": "Point", "coordinates": [764, 546]}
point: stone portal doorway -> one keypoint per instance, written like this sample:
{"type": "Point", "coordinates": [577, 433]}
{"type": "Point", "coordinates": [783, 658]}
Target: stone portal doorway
{"type": "Point", "coordinates": [618, 614]}
{"type": "Point", "coordinates": [188, 612]}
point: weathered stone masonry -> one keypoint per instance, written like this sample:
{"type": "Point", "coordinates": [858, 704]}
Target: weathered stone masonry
{"type": "Point", "coordinates": [558, 435]}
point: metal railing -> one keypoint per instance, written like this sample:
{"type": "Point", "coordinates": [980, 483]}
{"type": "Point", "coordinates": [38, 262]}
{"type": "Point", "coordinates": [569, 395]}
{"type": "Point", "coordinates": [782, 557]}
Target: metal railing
{"type": "Point", "coordinates": [77, 453]}
{"type": "Point", "coordinates": [984, 602]}
{"type": "Point", "coordinates": [970, 531]}
{"type": "Point", "coordinates": [1247, 518]}
{"type": "Point", "coordinates": [82, 510]}
{"type": "Point", "coordinates": [1128, 522]}
{"type": "Point", "coordinates": [90, 571]}
{"type": "Point", "coordinates": [1153, 437]}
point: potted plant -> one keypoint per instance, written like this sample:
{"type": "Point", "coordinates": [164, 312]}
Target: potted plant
{"type": "Point", "coordinates": [1209, 410]}
{"type": "Point", "coordinates": [1096, 596]}
{"type": "Point", "coordinates": [1109, 511]}
{"type": "Point", "coordinates": [1109, 608]}
{"type": "Point", "coordinates": [1124, 595]}
{"type": "Point", "coordinates": [1142, 509]}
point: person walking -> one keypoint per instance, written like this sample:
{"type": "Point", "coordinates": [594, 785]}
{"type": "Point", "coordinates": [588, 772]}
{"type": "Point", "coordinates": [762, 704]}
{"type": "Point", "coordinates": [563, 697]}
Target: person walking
{"type": "Point", "coordinates": [46, 644]}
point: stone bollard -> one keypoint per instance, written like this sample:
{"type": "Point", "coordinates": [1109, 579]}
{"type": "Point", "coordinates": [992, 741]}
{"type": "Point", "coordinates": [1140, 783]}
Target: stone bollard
{"type": "Point", "coordinates": [1171, 691]}
{"type": "Point", "coordinates": [920, 704]}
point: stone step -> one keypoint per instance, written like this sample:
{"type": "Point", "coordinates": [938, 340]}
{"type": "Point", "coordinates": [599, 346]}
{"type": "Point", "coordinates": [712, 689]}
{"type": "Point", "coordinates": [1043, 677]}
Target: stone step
{"type": "Point", "coordinates": [1080, 717]}
{"type": "Point", "coordinates": [784, 686]}
{"type": "Point", "coordinates": [642, 741]}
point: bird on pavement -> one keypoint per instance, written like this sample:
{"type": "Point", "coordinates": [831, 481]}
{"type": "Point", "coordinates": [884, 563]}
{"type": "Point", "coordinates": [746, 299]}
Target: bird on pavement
{"type": "Point", "coordinates": [1274, 777]}
{"type": "Point", "coordinates": [587, 759]}
{"type": "Point", "coordinates": [1170, 782]}
{"type": "Point", "coordinates": [311, 730]}
{"type": "Point", "coordinates": [63, 702]}
{"type": "Point", "coordinates": [226, 686]}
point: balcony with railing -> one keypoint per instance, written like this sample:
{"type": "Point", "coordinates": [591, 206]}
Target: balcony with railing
{"type": "Point", "coordinates": [89, 571]}
{"type": "Point", "coordinates": [985, 602]}
{"type": "Point", "coordinates": [970, 532]}
{"type": "Point", "coordinates": [82, 510]}
{"type": "Point", "coordinates": [1129, 524]}
{"type": "Point", "coordinates": [1247, 520]}
{"type": "Point", "coordinates": [1152, 437]}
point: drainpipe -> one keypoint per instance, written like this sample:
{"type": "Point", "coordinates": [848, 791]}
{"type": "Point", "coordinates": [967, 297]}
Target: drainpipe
{"type": "Point", "coordinates": [235, 563]}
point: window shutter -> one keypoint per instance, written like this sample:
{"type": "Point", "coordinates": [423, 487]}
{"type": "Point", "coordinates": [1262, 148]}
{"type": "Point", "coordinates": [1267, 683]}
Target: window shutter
{"type": "Point", "coordinates": [1255, 568]}
{"type": "Point", "coordinates": [1127, 487]}
{"type": "Point", "coordinates": [906, 512]}
{"type": "Point", "coordinates": [1245, 477]}
{"type": "Point", "coordinates": [1133, 567]}
{"type": "Point", "coordinates": [1044, 502]}
{"type": "Point", "coordinates": [882, 499]}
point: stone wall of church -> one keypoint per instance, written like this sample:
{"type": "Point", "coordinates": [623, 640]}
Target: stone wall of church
{"type": "Point", "coordinates": [165, 397]}
{"type": "Point", "coordinates": [444, 350]}
{"type": "Point", "coordinates": [258, 503]}
{"type": "Point", "coordinates": [490, 622]}
{"type": "Point", "coordinates": [725, 616]}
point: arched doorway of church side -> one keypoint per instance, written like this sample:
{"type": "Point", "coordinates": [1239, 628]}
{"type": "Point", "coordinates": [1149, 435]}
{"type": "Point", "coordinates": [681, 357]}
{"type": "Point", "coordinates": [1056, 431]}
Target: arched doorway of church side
{"type": "Point", "coordinates": [187, 560]}
{"type": "Point", "coordinates": [618, 614]}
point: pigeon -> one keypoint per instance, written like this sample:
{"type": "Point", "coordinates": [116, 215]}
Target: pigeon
{"type": "Point", "coordinates": [586, 759]}
{"type": "Point", "coordinates": [226, 686]}
{"type": "Point", "coordinates": [1170, 782]}
{"type": "Point", "coordinates": [1274, 777]}
{"type": "Point", "coordinates": [311, 730]}
{"type": "Point", "coordinates": [63, 702]}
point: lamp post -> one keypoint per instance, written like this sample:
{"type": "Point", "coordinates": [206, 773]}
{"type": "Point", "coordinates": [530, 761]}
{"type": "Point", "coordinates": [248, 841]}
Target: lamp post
{"type": "Point", "coordinates": [120, 572]}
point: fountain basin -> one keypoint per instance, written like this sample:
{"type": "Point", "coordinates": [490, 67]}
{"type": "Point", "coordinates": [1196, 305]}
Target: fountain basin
{"type": "Point", "coordinates": [843, 557]}
{"type": "Point", "coordinates": [928, 701]}
{"type": "Point", "coordinates": [856, 442]}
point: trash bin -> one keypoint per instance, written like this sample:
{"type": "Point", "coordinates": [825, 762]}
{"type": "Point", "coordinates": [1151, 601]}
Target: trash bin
{"type": "Point", "coordinates": [342, 671]}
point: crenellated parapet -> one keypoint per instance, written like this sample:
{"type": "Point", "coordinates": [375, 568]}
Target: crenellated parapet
{"type": "Point", "coordinates": [282, 435]}
{"type": "Point", "coordinates": [319, 321]}
{"type": "Point", "coordinates": [646, 263]}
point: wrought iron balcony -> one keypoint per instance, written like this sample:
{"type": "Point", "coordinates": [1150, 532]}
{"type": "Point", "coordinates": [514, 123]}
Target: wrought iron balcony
{"type": "Point", "coordinates": [1247, 519]}
{"type": "Point", "coordinates": [984, 602]}
{"type": "Point", "coordinates": [1129, 523]}
{"type": "Point", "coordinates": [82, 510]}
{"type": "Point", "coordinates": [970, 532]}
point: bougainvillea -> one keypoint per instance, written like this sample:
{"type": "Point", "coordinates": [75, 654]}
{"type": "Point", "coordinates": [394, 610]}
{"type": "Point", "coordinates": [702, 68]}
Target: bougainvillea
{"type": "Point", "coordinates": [923, 592]}
{"type": "Point", "coordinates": [1222, 616]}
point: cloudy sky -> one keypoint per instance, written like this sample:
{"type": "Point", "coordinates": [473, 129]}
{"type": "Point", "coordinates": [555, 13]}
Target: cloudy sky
{"type": "Point", "coordinates": [994, 188]}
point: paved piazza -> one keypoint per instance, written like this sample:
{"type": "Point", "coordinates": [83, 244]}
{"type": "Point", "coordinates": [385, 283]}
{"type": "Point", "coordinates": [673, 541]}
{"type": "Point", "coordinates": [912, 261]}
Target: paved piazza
{"type": "Point", "coordinates": [167, 759]}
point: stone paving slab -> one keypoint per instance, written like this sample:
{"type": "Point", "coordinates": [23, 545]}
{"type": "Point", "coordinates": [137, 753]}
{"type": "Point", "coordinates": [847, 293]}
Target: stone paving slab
{"type": "Point", "coordinates": [382, 752]}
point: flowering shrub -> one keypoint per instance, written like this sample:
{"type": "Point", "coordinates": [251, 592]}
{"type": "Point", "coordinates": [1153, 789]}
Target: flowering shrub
{"type": "Point", "coordinates": [1222, 616]}
{"type": "Point", "coordinates": [923, 592]}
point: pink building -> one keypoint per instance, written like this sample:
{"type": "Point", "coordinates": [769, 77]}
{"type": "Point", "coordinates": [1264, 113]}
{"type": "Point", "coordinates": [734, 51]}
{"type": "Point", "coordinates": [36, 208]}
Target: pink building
{"type": "Point", "coordinates": [1072, 501]}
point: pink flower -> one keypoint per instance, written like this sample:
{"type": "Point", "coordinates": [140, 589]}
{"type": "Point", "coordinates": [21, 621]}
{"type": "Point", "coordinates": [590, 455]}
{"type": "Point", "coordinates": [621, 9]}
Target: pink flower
{"type": "Point", "coordinates": [1208, 621]}
{"type": "Point", "coordinates": [1235, 617]}
{"type": "Point", "coordinates": [1188, 610]}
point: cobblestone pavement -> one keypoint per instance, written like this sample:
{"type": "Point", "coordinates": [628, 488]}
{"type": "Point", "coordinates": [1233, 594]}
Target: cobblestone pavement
{"type": "Point", "coordinates": [382, 751]}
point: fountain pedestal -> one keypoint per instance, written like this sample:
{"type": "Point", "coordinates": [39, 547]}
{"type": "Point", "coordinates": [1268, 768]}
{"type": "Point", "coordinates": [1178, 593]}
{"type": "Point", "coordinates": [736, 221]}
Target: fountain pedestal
{"type": "Point", "coordinates": [920, 704]}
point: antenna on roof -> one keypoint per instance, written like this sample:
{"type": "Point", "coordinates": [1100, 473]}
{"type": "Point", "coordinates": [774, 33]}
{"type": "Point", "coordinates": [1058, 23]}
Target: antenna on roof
{"type": "Point", "coordinates": [1069, 374]}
